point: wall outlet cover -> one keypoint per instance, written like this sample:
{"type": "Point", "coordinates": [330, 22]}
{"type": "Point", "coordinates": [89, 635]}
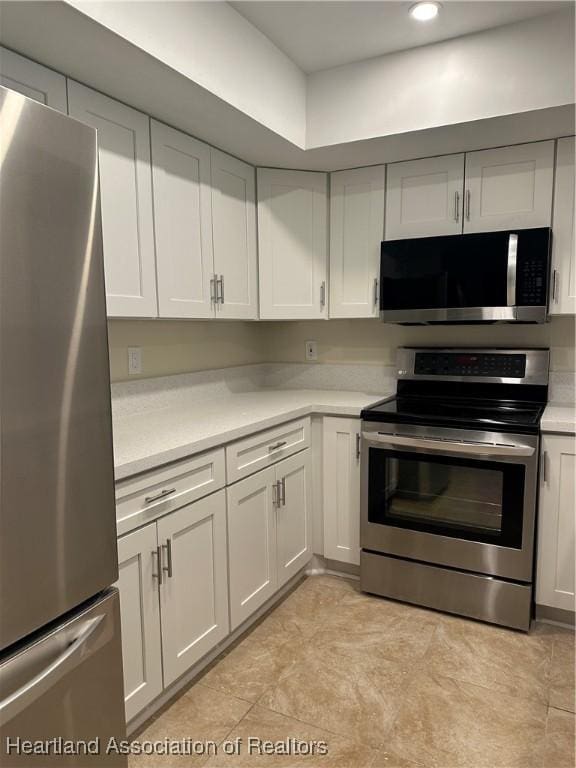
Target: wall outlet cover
{"type": "Point", "coordinates": [311, 351]}
{"type": "Point", "coordinates": [134, 360]}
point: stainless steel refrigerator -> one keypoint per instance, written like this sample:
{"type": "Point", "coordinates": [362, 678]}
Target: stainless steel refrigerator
{"type": "Point", "coordinates": [60, 649]}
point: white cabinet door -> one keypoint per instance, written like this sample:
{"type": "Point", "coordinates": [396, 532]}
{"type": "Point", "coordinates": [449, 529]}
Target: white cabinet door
{"type": "Point", "coordinates": [234, 228]}
{"type": "Point", "coordinates": [509, 188]}
{"type": "Point", "coordinates": [556, 523]}
{"type": "Point", "coordinates": [356, 232]}
{"type": "Point", "coordinates": [183, 223]}
{"type": "Point", "coordinates": [126, 200]}
{"type": "Point", "coordinates": [33, 80]}
{"type": "Point", "coordinates": [563, 299]}
{"type": "Point", "coordinates": [341, 475]}
{"type": "Point", "coordinates": [292, 237]}
{"type": "Point", "coordinates": [424, 197]}
{"type": "Point", "coordinates": [293, 515]}
{"type": "Point", "coordinates": [194, 591]}
{"type": "Point", "coordinates": [140, 618]}
{"type": "Point", "coordinates": [251, 544]}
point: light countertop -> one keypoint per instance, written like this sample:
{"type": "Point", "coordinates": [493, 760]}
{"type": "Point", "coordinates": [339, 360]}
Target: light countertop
{"type": "Point", "coordinates": [148, 440]}
{"type": "Point", "coordinates": [559, 418]}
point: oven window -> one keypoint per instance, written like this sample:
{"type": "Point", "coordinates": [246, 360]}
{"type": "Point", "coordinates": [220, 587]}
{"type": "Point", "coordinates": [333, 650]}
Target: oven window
{"type": "Point", "coordinates": [462, 498]}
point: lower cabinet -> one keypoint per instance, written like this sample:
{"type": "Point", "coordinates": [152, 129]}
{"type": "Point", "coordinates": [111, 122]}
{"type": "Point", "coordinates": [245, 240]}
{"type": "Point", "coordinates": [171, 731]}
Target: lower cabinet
{"type": "Point", "coordinates": [341, 471]}
{"type": "Point", "coordinates": [173, 596]}
{"type": "Point", "coordinates": [269, 525]}
{"type": "Point", "coordinates": [555, 578]}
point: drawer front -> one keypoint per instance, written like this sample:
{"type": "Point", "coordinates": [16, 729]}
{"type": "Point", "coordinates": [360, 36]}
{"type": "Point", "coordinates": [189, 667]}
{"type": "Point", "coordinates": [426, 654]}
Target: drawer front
{"type": "Point", "coordinates": [153, 494]}
{"type": "Point", "coordinates": [259, 451]}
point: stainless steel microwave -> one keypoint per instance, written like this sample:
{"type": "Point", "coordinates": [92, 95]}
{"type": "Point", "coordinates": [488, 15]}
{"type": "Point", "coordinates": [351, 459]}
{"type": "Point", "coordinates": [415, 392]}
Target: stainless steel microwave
{"type": "Point", "coordinates": [486, 277]}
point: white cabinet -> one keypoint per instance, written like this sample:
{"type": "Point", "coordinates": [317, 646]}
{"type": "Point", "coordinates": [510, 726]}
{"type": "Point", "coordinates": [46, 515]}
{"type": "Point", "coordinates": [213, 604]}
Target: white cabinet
{"type": "Point", "coordinates": [126, 200]}
{"type": "Point", "coordinates": [269, 532]}
{"type": "Point", "coordinates": [563, 298]}
{"type": "Point", "coordinates": [194, 592]}
{"type": "Point", "coordinates": [341, 476]}
{"type": "Point", "coordinates": [293, 515]}
{"type": "Point", "coordinates": [251, 544]}
{"type": "Point", "coordinates": [356, 232]}
{"type": "Point", "coordinates": [555, 580]}
{"type": "Point", "coordinates": [234, 229]}
{"type": "Point", "coordinates": [33, 80]}
{"type": "Point", "coordinates": [140, 618]}
{"type": "Point", "coordinates": [292, 237]}
{"type": "Point", "coordinates": [509, 188]}
{"type": "Point", "coordinates": [183, 224]}
{"type": "Point", "coordinates": [424, 197]}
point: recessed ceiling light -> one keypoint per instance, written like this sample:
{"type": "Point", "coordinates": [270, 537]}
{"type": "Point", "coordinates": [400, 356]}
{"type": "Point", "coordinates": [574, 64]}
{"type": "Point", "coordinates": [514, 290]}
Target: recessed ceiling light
{"type": "Point", "coordinates": [424, 11]}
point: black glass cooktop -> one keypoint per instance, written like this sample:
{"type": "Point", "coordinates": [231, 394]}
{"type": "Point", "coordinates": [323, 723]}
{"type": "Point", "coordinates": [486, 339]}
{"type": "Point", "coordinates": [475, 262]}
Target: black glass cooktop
{"type": "Point", "coordinates": [505, 416]}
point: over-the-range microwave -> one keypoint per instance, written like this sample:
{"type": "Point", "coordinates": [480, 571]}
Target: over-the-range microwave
{"type": "Point", "coordinates": [485, 277]}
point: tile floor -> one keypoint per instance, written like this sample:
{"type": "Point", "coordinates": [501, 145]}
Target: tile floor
{"type": "Point", "coordinates": [382, 684]}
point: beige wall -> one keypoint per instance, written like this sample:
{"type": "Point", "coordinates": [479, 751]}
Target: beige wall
{"type": "Point", "coordinates": [370, 341]}
{"type": "Point", "coordinates": [171, 346]}
{"type": "Point", "coordinates": [176, 346]}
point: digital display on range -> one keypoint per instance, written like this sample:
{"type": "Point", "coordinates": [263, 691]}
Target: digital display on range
{"type": "Point", "coordinates": [490, 365]}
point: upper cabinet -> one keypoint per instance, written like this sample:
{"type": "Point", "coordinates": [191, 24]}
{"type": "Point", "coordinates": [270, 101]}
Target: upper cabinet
{"type": "Point", "coordinates": [292, 232]}
{"type": "Point", "coordinates": [205, 225]}
{"type": "Point", "coordinates": [126, 200]}
{"type": "Point", "coordinates": [33, 80]}
{"type": "Point", "coordinates": [424, 197]}
{"type": "Point", "coordinates": [183, 224]}
{"type": "Point", "coordinates": [509, 188]}
{"type": "Point", "coordinates": [356, 231]}
{"type": "Point", "coordinates": [234, 230]}
{"type": "Point", "coordinates": [563, 298]}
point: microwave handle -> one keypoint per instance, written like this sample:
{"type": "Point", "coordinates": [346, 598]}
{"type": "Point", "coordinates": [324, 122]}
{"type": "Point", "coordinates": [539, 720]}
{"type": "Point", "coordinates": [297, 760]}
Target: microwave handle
{"type": "Point", "coordinates": [511, 270]}
{"type": "Point", "coordinates": [429, 445]}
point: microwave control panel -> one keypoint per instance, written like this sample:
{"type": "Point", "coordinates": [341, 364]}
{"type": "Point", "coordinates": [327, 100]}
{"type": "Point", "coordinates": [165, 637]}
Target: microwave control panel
{"type": "Point", "coordinates": [492, 365]}
{"type": "Point", "coordinates": [531, 283]}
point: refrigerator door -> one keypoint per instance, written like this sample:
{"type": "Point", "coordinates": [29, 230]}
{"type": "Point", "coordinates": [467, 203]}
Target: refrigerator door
{"type": "Point", "coordinates": [57, 525]}
{"type": "Point", "coordinates": [66, 685]}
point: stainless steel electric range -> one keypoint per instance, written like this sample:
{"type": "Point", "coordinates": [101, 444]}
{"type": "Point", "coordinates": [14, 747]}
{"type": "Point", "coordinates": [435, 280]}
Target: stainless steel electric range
{"type": "Point", "coordinates": [449, 478]}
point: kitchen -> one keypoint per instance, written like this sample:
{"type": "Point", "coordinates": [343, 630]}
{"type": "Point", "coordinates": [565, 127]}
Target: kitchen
{"type": "Point", "coordinates": [307, 467]}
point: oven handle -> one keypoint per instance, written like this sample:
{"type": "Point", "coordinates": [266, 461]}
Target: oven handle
{"type": "Point", "coordinates": [430, 445]}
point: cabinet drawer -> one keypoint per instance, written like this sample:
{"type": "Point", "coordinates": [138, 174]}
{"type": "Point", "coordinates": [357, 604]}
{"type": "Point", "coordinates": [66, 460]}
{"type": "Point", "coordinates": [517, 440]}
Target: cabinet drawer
{"type": "Point", "coordinates": [148, 496]}
{"type": "Point", "coordinates": [256, 452]}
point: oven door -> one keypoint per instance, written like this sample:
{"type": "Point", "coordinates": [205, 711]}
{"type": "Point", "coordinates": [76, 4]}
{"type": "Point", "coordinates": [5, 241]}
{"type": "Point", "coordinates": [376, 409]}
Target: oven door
{"type": "Point", "coordinates": [459, 498]}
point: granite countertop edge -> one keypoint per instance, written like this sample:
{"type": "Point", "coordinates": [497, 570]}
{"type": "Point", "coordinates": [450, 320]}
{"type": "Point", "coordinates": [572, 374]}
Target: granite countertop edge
{"type": "Point", "coordinates": [559, 418]}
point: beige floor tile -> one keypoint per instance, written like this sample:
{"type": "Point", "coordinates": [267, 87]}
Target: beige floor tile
{"type": "Point", "coordinates": [562, 690]}
{"type": "Point", "coordinates": [348, 691]}
{"type": "Point", "coordinates": [497, 658]}
{"type": "Point", "coordinates": [384, 759]}
{"type": "Point", "coordinates": [560, 734]}
{"type": "Point", "coordinates": [451, 724]}
{"type": "Point", "coordinates": [266, 726]}
{"type": "Point", "coordinates": [201, 714]}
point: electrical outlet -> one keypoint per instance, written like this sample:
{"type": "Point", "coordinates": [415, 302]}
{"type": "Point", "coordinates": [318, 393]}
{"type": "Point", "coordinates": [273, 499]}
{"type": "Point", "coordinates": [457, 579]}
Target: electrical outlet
{"type": "Point", "coordinates": [311, 351]}
{"type": "Point", "coordinates": [134, 360]}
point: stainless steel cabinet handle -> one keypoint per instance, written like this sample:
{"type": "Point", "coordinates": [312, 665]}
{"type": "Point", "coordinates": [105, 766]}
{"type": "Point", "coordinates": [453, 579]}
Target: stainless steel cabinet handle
{"type": "Point", "coordinates": [456, 206]}
{"type": "Point", "coordinates": [164, 492]}
{"type": "Point", "coordinates": [323, 294]}
{"type": "Point", "coordinates": [468, 205]}
{"type": "Point", "coordinates": [283, 491]}
{"type": "Point", "coordinates": [555, 286]}
{"type": "Point", "coordinates": [376, 297]}
{"type": "Point", "coordinates": [358, 443]}
{"type": "Point", "coordinates": [545, 467]}
{"type": "Point", "coordinates": [77, 650]}
{"type": "Point", "coordinates": [275, 494]}
{"type": "Point", "coordinates": [213, 290]}
{"type": "Point", "coordinates": [168, 548]}
{"type": "Point", "coordinates": [431, 445]}
{"type": "Point", "coordinates": [276, 446]}
{"type": "Point", "coordinates": [157, 554]}
{"type": "Point", "coordinates": [220, 289]}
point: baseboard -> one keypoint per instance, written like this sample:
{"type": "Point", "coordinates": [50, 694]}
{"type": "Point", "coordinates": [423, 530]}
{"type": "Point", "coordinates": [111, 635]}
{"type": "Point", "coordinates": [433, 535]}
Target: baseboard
{"type": "Point", "coordinates": [556, 616]}
{"type": "Point", "coordinates": [320, 565]}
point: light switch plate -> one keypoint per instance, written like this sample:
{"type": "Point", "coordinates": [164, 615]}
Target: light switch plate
{"type": "Point", "coordinates": [134, 360]}
{"type": "Point", "coordinates": [311, 351]}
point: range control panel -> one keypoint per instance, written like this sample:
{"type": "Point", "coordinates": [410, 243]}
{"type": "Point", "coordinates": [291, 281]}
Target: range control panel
{"type": "Point", "coordinates": [489, 364]}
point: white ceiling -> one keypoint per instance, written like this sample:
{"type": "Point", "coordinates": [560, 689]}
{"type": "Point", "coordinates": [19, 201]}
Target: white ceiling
{"type": "Point", "coordinates": [321, 34]}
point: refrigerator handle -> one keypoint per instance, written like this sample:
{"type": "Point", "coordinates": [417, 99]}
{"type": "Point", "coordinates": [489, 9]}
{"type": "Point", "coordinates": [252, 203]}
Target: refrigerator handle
{"type": "Point", "coordinates": [17, 701]}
